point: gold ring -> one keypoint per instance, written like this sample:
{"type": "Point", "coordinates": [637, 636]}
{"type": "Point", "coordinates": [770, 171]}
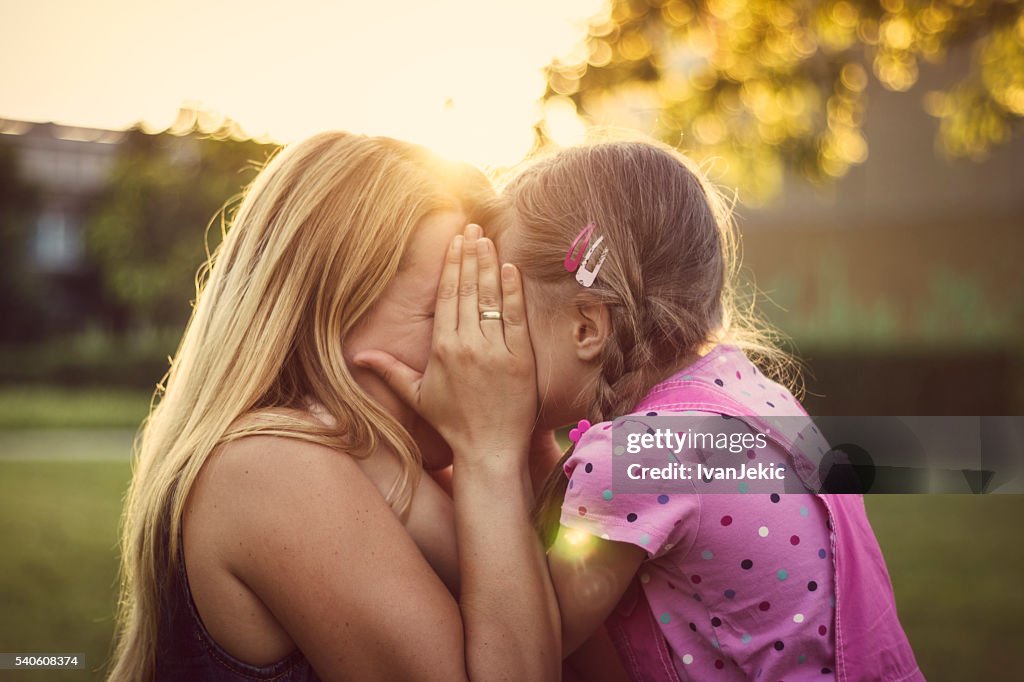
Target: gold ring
{"type": "Point", "coordinates": [490, 315]}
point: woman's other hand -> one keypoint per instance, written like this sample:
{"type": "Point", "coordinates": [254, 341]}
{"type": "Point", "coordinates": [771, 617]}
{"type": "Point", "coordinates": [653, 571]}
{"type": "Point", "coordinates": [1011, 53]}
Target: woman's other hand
{"type": "Point", "coordinates": [479, 387]}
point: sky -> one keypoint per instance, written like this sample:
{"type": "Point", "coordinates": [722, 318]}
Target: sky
{"type": "Point", "coordinates": [462, 76]}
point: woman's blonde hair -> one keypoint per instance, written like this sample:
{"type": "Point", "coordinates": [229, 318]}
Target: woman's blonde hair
{"type": "Point", "coordinates": [670, 280]}
{"type": "Point", "coordinates": [318, 236]}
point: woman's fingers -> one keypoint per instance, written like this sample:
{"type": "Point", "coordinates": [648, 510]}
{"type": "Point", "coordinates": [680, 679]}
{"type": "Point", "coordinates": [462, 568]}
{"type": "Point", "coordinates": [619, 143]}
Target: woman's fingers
{"type": "Point", "coordinates": [513, 311]}
{"type": "Point", "coordinates": [446, 310]}
{"type": "Point", "coordinates": [469, 310]}
{"type": "Point", "coordinates": [489, 290]}
{"type": "Point", "coordinates": [402, 379]}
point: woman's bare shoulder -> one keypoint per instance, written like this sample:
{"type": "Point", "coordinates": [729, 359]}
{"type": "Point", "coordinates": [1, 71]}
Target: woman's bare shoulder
{"type": "Point", "coordinates": [311, 536]}
{"type": "Point", "coordinates": [254, 491]}
{"type": "Point", "coordinates": [258, 470]}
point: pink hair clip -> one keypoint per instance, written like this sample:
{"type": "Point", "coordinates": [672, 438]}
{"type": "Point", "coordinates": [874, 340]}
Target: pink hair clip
{"type": "Point", "coordinates": [576, 433]}
{"type": "Point", "coordinates": [579, 256]}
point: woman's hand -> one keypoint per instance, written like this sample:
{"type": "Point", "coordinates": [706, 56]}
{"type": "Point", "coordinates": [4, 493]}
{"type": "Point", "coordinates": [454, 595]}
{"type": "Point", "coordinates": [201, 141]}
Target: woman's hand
{"type": "Point", "coordinates": [479, 390]}
{"type": "Point", "coordinates": [479, 387]}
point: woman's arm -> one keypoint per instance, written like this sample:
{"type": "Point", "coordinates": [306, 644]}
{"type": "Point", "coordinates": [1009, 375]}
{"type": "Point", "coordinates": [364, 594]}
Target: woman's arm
{"type": "Point", "coordinates": [498, 549]}
{"type": "Point", "coordinates": [479, 392]}
{"type": "Point", "coordinates": [302, 527]}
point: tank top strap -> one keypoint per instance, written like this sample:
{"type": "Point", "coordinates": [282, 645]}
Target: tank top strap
{"type": "Point", "coordinates": [187, 650]}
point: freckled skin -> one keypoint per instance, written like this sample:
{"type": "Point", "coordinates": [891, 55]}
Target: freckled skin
{"type": "Point", "coordinates": [400, 322]}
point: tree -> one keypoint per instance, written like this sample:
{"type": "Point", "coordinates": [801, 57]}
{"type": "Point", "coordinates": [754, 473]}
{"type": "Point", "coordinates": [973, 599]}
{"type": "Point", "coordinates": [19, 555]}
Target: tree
{"type": "Point", "coordinates": [768, 84]}
{"type": "Point", "coordinates": [148, 234]}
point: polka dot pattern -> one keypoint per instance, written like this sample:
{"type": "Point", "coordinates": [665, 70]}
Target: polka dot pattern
{"type": "Point", "coordinates": [757, 585]}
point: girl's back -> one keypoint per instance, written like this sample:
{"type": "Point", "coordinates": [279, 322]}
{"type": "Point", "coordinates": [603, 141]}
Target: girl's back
{"type": "Point", "coordinates": [742, 586]}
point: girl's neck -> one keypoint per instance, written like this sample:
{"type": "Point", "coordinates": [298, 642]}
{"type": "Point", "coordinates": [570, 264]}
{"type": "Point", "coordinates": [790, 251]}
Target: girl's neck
{"type": "Point", "coordinates": [686, 362]}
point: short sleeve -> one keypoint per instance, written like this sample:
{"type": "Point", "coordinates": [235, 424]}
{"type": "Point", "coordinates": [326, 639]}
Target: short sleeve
{"type": "Point", "coordinates": [653, 522]}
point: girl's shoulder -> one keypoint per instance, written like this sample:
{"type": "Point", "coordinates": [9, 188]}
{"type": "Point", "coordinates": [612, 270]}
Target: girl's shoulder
{"type": "Point", "coordinates": [723, 381]}
{"type": "Point", "coordinates": [594, 502]}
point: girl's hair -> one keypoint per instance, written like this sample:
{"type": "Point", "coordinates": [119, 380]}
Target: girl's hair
{"type": "Point", "coordinates": [669, 280]}
{"type": "Point", "coordinates": [318, 236]}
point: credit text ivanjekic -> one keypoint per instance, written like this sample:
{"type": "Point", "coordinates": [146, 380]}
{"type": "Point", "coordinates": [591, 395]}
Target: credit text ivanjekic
{"type": "Point", "coordinates": [684, 472]}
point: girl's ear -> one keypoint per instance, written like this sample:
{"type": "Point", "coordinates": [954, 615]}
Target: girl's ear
{"type": "Point", "coordinates": [591, 328]}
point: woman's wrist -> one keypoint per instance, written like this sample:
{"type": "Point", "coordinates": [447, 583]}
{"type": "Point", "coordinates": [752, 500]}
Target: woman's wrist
{"type": "Point", "coordinates": [491, 461]}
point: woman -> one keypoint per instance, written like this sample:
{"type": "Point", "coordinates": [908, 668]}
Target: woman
{"type": "Point", "coordinates": [277, 525]}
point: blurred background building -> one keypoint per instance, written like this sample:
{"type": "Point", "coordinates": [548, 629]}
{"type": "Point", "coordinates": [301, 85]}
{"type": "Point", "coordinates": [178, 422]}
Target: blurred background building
{"type": "Point", "coordinates": [60, 171]}
{"type": "Point", "coordinates": [68, 166]}
{"type": "Point", "coordinates": [899, 283]}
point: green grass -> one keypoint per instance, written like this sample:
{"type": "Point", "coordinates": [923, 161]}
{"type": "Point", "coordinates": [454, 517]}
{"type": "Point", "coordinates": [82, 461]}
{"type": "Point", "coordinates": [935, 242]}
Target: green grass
{"type": "Point", "coordinates": [955, 561]}
{"type": "Point", "coordinates": [58, 567]}
{"type": "Point", "coordinates": [47, 407]}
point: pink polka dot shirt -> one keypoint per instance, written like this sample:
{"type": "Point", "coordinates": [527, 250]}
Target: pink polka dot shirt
{"type": "Point", "coordinates": [742, 586]}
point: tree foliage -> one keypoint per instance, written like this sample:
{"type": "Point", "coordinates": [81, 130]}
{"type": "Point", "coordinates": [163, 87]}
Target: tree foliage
{"type": "Point", "coordinates": [768, 84]}
{"type": "Point", "coordinates": [148, 234]}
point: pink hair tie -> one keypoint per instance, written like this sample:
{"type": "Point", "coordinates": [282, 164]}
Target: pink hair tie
{"type": "Point", "coordinates": [576, 433]}
{"type": "Point", "coordinates": [579, 256]}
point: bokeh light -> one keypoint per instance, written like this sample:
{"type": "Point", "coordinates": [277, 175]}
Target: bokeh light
{"type": "Point", "coordinates": [762, 85]}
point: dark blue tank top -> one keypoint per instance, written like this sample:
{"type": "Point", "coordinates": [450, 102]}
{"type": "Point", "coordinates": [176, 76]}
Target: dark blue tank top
{"type": "Point", "coordinates": [186, 652]}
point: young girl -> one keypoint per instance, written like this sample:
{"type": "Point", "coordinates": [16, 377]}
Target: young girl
{"type": "Point", "coordinates": [628, 258]}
